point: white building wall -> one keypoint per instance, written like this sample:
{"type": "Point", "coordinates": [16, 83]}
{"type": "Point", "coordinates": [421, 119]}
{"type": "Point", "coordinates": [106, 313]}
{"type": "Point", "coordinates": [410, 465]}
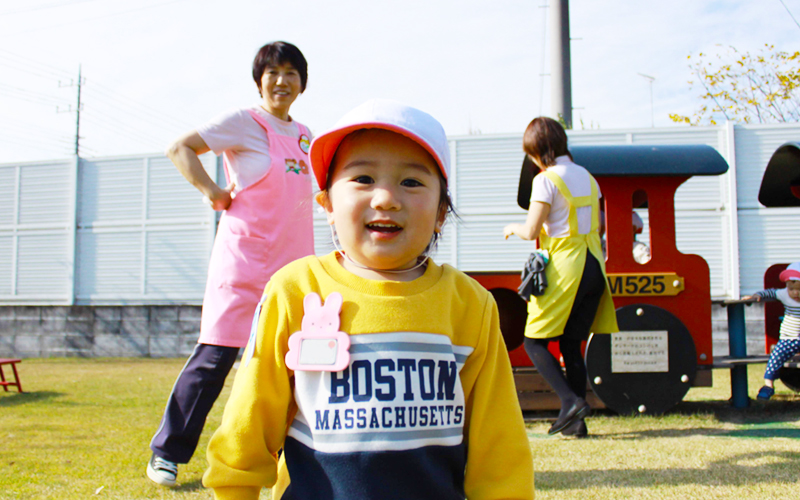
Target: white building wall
{"type": "Point", "coordinates": [143, 233]}
{"type": "Point", "coordinates": [134, 231]}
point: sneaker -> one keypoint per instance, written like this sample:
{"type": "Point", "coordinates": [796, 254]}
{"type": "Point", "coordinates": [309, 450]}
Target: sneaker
{"type": "Point", "coordinates": [765, 393]}
{"type": "Point", "coordinates": [162, 471]}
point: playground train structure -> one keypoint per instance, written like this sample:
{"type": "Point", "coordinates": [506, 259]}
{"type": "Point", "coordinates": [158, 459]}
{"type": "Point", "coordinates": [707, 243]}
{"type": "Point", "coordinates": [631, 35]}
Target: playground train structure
{"type": "Point", "coordinates": [663, 305]}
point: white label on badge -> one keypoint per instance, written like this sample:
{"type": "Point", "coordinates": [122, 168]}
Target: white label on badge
{"type": "Point", "coordinates": [640, 351]}
{"type": "Point", "coordinates": [318, 351]}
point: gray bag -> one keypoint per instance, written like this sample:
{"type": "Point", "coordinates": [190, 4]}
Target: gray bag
{"type": "Point", "coordinates": [534, 281]}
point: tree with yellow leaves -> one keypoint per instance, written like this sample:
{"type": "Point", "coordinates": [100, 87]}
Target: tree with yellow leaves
{"type": "Point", "coordinates": [745, 88]}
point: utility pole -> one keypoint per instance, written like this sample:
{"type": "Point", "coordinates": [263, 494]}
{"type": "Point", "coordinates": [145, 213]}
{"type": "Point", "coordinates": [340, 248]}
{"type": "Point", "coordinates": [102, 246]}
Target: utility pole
{"type": "Point", "coordinates": [652, 113]}
{"type": "Point", "coordinates": [77, 110]}
{"type": "Point", "coordinates": [78, 116]}
{"type": "Point", "coordinates": [560, 74]}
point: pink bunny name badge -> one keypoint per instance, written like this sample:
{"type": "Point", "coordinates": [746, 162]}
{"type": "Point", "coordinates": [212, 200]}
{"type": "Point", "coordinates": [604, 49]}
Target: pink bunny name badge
{"type": "Point", "coordinates": [319, 345]}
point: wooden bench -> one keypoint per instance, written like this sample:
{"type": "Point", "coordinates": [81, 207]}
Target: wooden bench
{"type": "Point", "coordinates": [5, 383]}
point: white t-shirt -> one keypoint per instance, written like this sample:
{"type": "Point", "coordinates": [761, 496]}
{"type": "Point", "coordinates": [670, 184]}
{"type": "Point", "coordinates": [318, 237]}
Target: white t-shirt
{"type": "Point", "coordinates": [578, 181]}
{"type": "Point", "coordinates": [244, 143]}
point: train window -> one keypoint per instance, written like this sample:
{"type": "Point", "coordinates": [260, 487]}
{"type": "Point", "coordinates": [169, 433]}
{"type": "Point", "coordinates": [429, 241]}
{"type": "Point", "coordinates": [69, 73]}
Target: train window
{"type": "Point", "coordinates": [641, 227]}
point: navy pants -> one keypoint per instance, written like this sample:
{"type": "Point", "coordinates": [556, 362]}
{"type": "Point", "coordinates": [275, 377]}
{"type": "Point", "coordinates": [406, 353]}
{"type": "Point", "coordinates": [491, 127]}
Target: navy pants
{"type": "Point", "coordinates": [783, 351]}
{"type": "Point", "coordinates": [192, 397]}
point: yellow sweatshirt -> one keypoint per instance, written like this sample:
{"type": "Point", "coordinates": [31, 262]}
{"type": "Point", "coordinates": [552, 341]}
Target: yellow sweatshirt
{"type": "Point", "coordinates": [426, 409]}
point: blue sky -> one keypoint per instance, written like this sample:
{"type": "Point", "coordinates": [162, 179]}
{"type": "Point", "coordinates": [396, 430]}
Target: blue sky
{"type": "Point", "coordinates": [158, 68]}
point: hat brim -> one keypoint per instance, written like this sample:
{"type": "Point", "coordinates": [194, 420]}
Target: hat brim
{"type": "Point", "coordinates": [789, 274]}
{"type": "Point", "coordinates": [324, 147]}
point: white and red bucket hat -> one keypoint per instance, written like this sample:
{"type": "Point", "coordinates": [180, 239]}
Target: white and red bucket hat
{"type": "Point", "coordinates": [385, 114]}
{"type": "Point", "coordinates": [791, 273]}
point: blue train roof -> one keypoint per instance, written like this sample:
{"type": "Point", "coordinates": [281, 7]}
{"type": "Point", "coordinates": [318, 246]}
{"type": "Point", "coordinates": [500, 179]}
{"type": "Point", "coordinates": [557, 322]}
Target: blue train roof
{"type": "Point", "coordinates": [780, 186]}
{"type": "Point", "coordinates": [650, 161]}
{"type": "Point", "coordinates": [695, 159]}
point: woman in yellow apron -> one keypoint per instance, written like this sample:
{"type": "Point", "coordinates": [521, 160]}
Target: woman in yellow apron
{"type": "Point", "coordinates": [565, 215]}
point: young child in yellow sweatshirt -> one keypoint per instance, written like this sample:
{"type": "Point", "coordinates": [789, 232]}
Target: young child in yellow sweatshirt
{"type": "Point", "coordinates": [380, 374]}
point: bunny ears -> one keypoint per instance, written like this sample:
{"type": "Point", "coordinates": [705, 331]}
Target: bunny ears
{"type": "Point", "coordinates": [319, 345]}
{"type": "Point", "coordinates": [313, 302]}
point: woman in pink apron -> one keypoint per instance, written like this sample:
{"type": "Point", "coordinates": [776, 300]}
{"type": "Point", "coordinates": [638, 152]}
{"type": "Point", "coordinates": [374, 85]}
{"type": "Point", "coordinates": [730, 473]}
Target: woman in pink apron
{"type": "Point", "coordinates": [266, 223]}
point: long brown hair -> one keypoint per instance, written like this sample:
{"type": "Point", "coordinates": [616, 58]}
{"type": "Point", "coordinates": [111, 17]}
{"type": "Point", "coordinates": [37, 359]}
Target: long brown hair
{"type": "Point", "coordinates": [545, 140]}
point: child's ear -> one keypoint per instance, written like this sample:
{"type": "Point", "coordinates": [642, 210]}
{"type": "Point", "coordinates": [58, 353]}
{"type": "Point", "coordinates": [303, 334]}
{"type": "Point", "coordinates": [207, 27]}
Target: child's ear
{"type": "Point", "coordinates": [325, 202]}
{"type": "Point", "coordinates": [440, 218]}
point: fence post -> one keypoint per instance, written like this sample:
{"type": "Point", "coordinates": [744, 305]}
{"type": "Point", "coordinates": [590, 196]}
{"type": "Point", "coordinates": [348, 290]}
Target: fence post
{"type": "Point", "coordinates": [732, 203]}
{"type": "Point", "coordinates": [72, 230]}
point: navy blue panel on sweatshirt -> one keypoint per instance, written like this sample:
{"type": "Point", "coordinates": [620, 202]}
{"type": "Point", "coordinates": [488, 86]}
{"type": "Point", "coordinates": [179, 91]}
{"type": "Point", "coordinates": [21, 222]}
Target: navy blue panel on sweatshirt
{"type": "Point", "coordinates": [428, 473]}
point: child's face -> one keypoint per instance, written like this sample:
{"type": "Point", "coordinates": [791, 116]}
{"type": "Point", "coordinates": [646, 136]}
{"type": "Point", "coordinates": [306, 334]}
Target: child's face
{"type": "Point", "coordinates": [793, 286]}
{"type": "Point", "coordinates": [383, 199]}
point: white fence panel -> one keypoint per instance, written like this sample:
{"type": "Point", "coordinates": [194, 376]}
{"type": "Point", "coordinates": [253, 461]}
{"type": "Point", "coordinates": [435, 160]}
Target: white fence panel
{"type": "Point", "coordinates": [177, 263]}
{"type": "Point", "coordinates": [487, 173]}
{"type": "Point", "coordinates": [8, 197]}
{"type": "Point", "coordinates": [755, 144]}
{"type": "Point", "coordinates": [111, 191]}
{"type": "Point", "coordinates": [44, 198]}
{"type": "Point", "coordinates": [110, 265]}
{"type": "Point", "coordinates": [6, 264]}
{"type": "Point", "coordinates": [144, 236]}
{"type": "Point", "coordinates": [42, 265]}
{"type": "Point", "coordinates": [767, 236]}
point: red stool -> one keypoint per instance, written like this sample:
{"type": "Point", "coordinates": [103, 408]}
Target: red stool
{"type": "Point", "coordinates": [3, 381]}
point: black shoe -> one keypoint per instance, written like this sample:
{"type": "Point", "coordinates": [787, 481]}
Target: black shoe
{"type": "Point", "coordinates": [579, 409]}
{"type": "Point", "coordinates": [576, 429]}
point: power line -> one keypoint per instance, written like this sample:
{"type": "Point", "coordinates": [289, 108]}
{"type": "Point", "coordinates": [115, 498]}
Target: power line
{"type": "Point", "coordinates": [94, 18]}
{"type": "Point", "coordinates": [108, 90]}
{"type": "Point", "coordinates": [43, 7]}
{"type": "Point", "coordinates": [34, 73]}
{"type": "Point", "coordinates": [31, 99]}
{"type": "Point", "coordinates": [790, 13]}
{"type": "Point", "coordinates": [95, 86]}
{"type": "Point", "coordinates": [544, 58]}
{"type": "Point", "coordinates": [37, 140]}
{"type": "Point", "coordinates": [32, 94]}
{"type": "Point", "coordinates": [127, 131]}
{"type": "Point", "coordinates": [136, 109]}
{"type": "Point", "coordinates": [122, 125]}
{"type": "Point", "coordinates": [31, 128]}
{"type": "Point", "coordinates": [33, 144]}
{"type": "Point", "coordinates": [59, 72]}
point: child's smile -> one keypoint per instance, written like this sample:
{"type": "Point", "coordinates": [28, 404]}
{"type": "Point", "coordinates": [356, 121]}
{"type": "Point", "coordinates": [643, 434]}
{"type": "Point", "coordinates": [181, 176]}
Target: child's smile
{"type": "Point", "coordinates": [383, 199]}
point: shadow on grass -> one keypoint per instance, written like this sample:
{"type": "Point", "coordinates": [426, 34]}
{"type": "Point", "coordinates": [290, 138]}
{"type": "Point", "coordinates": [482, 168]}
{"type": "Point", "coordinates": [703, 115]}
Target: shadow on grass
{"type": "Point", "coordinates": [22, 398]}
{"type": "Point", "coordinates": [740, 470]}
{"type": "Point", "coordinates": [195, 485]}
{"type": "Point", "coordinates": [758, 412]}
{"type": "Point", "coordinates": [753, 432]}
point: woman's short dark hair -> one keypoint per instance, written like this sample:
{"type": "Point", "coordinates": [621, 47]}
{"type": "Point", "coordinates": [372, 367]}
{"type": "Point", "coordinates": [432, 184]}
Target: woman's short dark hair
{"type": "Point", "coordinates": [277, 53]}
{"type": "Point", "coordinates": [545, 140]}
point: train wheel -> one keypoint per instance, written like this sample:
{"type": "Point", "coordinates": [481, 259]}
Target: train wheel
{"type": "Point", "coordinates": [645, 368]}
{"type": "Point", "coordinates": [513, 312]}
{"type": "Point", "coordinates": [790, 378]}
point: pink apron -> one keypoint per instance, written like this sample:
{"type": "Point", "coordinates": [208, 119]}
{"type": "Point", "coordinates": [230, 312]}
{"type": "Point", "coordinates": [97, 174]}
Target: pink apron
{"type": "Point", "coordinates": [267, 225]}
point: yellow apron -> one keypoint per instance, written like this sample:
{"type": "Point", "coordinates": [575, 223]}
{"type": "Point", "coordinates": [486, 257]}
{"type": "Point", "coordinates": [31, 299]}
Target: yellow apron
{"type": "Point", "coordinates": [548, 313]}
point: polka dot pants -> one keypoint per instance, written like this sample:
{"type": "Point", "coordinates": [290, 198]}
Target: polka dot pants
{"type": "Point", "coordinates": [784, 349]}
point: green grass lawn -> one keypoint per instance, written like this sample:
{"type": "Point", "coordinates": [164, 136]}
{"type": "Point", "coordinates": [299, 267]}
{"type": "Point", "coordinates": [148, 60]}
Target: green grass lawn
{"type": "Point", "coordinates": [83, 427]}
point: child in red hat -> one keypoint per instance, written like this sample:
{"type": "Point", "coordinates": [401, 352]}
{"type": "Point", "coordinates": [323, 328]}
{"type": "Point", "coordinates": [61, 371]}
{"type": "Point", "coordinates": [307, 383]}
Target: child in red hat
{"type": "Point", "coordinates": [789, 343]}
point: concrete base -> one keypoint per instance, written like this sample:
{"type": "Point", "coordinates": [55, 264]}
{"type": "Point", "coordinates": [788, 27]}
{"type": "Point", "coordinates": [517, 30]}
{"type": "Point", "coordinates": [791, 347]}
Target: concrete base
{"type": "Point", "coordinates": [172, 331]}
{"type": "Point", "coordinates": [94, 331]}
{"type": "Point", "coordinates": [754, 323]}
